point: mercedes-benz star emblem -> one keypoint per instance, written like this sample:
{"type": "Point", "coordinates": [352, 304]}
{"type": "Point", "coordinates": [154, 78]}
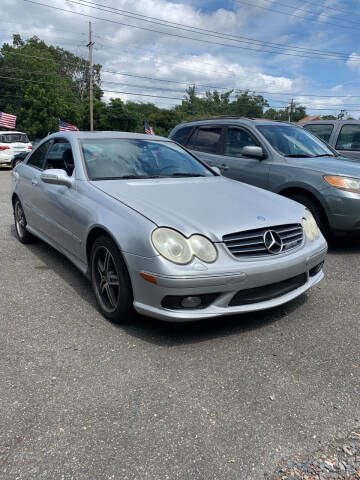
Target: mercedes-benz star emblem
{"type": "Point", "coordinates": [273, 242]}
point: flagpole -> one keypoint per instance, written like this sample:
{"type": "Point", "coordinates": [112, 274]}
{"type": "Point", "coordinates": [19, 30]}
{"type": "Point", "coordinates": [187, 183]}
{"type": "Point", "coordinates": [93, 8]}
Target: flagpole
{"type": "Point", "coordinates": [91, 86]}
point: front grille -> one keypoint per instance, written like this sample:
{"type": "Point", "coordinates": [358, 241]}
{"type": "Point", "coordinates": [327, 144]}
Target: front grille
{"type": "Point", "coordinates": [251, 242]}
{"type": "Point", "coordinates": [267, 292]}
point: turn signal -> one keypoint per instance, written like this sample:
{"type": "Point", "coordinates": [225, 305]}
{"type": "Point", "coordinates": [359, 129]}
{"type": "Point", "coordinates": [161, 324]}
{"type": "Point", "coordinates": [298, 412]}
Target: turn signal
{"type": "Point", "coordinates": [148, 278]}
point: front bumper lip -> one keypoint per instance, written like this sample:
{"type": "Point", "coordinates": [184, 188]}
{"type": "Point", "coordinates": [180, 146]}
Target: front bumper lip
{"type": "Point", "coordinates": [226, 284]}
{"type": "Point", "coordinates": [221, 308]}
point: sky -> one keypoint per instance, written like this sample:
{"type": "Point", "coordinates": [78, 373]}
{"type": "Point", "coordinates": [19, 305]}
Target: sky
{"type": "Point", "coordinates": [272, 47]}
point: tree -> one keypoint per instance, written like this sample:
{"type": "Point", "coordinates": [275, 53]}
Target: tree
{"type": "Point", "coordinates": [41, 84]}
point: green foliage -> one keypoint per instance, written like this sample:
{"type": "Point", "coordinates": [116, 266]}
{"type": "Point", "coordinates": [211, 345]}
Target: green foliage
{"type": "Point", "coordinates": [297, 113]}
{"type": "Point", "coordinates": [45, 83]}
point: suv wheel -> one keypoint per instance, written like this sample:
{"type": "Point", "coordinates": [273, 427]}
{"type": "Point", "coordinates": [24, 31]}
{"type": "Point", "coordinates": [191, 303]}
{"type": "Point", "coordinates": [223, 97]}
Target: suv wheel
{"type": "Point", "coordinates": [316, 211]}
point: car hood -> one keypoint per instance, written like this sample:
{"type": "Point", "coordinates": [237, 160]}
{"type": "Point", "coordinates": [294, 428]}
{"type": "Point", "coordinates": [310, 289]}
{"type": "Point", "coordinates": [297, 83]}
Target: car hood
{"type": "Point", "coordinates": [212, 206]}
{"type": "Point", "coordinates": [329, 165]}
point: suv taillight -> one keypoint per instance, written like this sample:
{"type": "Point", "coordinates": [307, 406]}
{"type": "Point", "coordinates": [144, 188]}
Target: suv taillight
{"type": "Point", "coordinates": [4, 147]}
{"type": "Point", "coordinates": [30, 147]}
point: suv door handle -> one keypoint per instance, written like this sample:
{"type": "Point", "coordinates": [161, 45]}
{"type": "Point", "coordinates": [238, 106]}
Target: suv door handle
{"type": "Point", "coordinates": [34, 181]}
{"type": "Point", "coordinates": [223, 166]}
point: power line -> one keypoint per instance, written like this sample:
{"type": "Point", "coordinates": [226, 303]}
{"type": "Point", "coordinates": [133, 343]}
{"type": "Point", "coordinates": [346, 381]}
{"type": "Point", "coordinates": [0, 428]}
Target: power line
{"type": "Point", "coordinates": [293, 14]}
{"type": "Point", "coordinates": [182, 36]}
{"type": "Point", "coordinates": [194, 29]}
{"type": "Point", "coordinates": [235, 89]}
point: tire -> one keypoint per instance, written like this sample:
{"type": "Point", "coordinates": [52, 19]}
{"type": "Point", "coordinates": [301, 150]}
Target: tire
{"type": "Point", "coordinates": [15, 161]}
{"type": "Point", "coordinates": [20, 223]}
{"type": "Point", "coordinates": [110, 280]}
{"type": "Point", "coordinates": [316, 211]}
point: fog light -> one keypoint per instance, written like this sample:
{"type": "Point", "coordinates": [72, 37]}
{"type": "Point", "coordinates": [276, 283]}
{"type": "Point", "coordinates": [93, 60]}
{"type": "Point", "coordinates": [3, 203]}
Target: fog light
{"type": "Point", "coordinates": [191, 302]}
{"type": "Point", "coordinates": [315, 270]}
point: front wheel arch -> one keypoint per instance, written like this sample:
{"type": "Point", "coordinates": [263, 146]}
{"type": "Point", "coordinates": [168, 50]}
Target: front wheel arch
{"type": "Point", "coordinates": [307, 198]}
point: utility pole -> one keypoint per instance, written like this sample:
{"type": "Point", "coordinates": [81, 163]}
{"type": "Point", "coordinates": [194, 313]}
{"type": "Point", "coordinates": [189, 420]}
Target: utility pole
{"type": "Point", "coordinates": [91, 79]}
{"type": "Point", "coordinates": [290, 109]}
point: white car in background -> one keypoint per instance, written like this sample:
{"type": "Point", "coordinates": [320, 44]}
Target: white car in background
{"type": "Point", "coordinates": [12, 143]}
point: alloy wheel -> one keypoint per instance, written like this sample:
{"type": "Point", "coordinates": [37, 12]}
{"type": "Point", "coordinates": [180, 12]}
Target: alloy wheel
{"type": "Point", "coordinates": [107, 281]}
{"type": "Point", "coordinates": [20, 221]}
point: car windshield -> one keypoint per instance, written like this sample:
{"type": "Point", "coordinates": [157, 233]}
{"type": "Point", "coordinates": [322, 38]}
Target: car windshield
{"type": "Point", "coordinates": [108, 159]}
{"type": "Point", "coordinates": [14, 138]}
{"type": "Point", "coordinates": [294, 141]}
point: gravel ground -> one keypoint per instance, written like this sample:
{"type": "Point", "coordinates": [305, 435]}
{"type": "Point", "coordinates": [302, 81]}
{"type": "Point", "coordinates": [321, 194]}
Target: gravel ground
{"type": "Point", "coordinates": [340, 462]}
{"type": "Point", "coordinates": [84, 399]}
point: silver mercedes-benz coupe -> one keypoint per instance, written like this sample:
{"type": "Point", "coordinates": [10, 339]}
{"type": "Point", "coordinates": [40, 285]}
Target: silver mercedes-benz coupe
{"type": "Point", "coordinates": [158, 231]}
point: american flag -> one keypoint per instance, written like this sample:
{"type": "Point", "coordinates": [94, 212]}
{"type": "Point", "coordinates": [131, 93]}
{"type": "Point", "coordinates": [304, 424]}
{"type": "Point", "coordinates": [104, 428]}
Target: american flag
{"type": "Point", "coordinates": [148, 129]}
{"type": "Point", "coordinates": [66, 127]}
{"type": "Point", "coordinates": [7, 120]}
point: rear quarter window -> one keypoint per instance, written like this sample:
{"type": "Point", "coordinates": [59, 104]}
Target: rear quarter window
{"type": "Point", "coordinates": [14, 138]}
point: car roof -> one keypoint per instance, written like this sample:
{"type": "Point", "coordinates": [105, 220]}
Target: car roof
{"type": "Point", "coordinates": [84, 135]}
{"type": "Point", "coordinates": [330, 122]}
{"type": "Point", "coordinates": [222, 119]}
{"type": "Point", "coordinates": [7, 132]}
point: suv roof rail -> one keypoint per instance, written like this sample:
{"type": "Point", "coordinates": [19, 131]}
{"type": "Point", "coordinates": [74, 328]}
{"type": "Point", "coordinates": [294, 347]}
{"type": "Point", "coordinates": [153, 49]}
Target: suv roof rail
{"type": "Point", "coordinates": [217, 117]}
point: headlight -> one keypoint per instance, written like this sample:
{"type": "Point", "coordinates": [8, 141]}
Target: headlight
{"type": "Point", "coordinates": [178, 249]}
{"type": "Point", "coordinates": [310, 226]}
{"type": "Point", "coordinates": [344, 183]}
{"type": "Point", "coordinates": [172, 245]}
{"type": "Point", "coordinates": [203, 248]}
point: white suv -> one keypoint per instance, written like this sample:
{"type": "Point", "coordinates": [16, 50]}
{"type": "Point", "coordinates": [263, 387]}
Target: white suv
{"type": "Point", "coordinates": [12, 143]}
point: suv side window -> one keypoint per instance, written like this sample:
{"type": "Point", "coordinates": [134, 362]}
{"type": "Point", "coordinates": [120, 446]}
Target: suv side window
{"type": "Point", "coordinates": [349, 138]}
{"type": "Point", "coordinates": [181, 135]}
{"type": "Point", "coordinates": [236, 139]}
{"type": "Point", "coordinates": [323, 131]}
{"type": "Point", "coordinates": [37, 158]}
{"type": "Point", "coordinates": [205, 139]}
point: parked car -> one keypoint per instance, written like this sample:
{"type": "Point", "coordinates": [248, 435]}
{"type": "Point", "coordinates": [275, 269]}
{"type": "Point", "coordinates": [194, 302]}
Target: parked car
{"type": "Point", "coordinates": [343, 135]}
{"type": "Point", "coordinates": [11, 144]}
{"type": "Point", "coordinates": [157, 230]}
{"type": "Point", "coordinates": [20, 157]}
{"type": "Point", "coordinates": [283, 158]}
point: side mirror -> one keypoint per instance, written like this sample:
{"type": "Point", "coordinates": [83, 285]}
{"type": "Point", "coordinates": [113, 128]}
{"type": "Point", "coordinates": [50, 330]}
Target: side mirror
{"type": "Point", "coordinates": [216, 170]}
{"type": "Point", "coordinates": [252, 151]}
{"type": "Point", "coordinates": [56, 177]}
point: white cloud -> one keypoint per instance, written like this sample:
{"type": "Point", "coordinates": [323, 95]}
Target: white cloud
{"type": "Point", "coordinates": [353, 62]}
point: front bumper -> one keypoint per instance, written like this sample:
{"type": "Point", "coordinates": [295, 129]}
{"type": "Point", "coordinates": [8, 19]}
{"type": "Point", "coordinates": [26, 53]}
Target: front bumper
{"type": "Point", "coordinates": [343, 210]}
{"type": "Point", "coordinates": [201, 279]}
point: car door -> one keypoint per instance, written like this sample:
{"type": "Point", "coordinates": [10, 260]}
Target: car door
{"type": "Point", "coordinates": [252, 170]}
{"type": "Point", "coordinates": [29, 179]}
{"type": "Point", "coordinates": [59, 201]}
{"type": "Point", "coordinates": [348, 140]}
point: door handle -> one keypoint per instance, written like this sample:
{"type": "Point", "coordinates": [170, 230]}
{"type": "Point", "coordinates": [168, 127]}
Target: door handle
{"type": "Point", "coordinates": [223, 166]}
{"type": "Point", "coordinates": [34, 181]}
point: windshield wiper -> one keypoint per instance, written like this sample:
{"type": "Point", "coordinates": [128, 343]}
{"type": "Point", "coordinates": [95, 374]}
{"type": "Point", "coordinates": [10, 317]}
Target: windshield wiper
{"type": "Point", "coordinates": [324, 155]}
{"type": "Point", "coordinates": [298, 155]}
{"type": "Point", "coordinates": [185, 175]}
{"type": "Point", "coordinates": [127, 177]}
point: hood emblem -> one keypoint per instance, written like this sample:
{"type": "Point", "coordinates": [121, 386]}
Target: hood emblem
{"type": "Point", "coordinates": [273, 242]}
{"type": "Point", "coordinates": [260, 217]}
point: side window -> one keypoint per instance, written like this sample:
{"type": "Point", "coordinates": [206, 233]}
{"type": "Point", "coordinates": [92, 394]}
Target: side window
{"type": "Point", "coordinates": [60, 156]}
{"type": "Point", "coordinates": [205, 139]}
{"type": "Point", "coordinates": [322, 131]}
{"type": "Point", "coordinates": [37, 158]}
{"type": "Point", "coordinates": [181, 135]}
{"type": "Point", "coordinates": [236, 140]}
{"type": "Point", "coordinates": [349, 138]}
